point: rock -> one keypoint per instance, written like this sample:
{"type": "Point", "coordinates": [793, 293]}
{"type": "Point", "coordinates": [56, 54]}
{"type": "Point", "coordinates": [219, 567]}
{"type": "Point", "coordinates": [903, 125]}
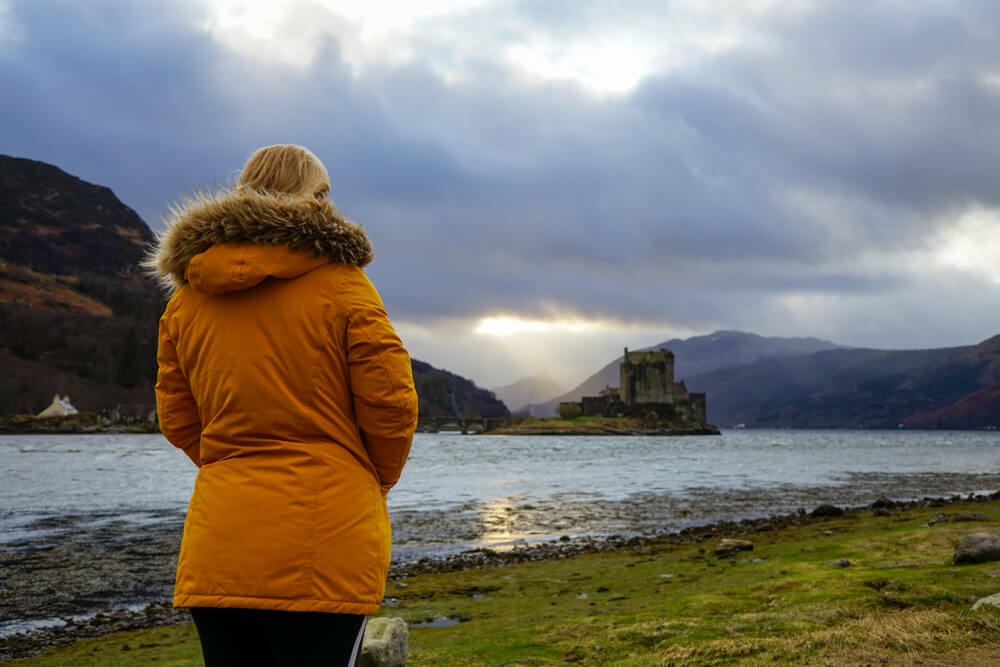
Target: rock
{"type": "Point", "coordinates": [840, 562]}
{"type": "Point", "coordinates": [827, 510]}
{"type": "Point", "coordinates": [977, 548]}
{"type": "Point", "coordinates": [727, 548]}
{"type": "Point", "coordinates": [386, 643]}
{"type": "Point", "coordinates": [974, 516]}
{"type": "Point", "coordinates": [882, 503]}
{"type": "Point", "coordinates": [881, 511]}
{"type": "Point", "coordinates": [938, 520]}
{"type": "Point", "coordinates": [992, 601]}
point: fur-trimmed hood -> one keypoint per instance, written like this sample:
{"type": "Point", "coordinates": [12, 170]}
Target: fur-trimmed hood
{"type": "Point", "coordinates": [200, 222]}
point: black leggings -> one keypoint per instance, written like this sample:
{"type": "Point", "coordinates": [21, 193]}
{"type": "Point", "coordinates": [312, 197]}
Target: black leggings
{"type": "Point", "coordinates": [265, 638]}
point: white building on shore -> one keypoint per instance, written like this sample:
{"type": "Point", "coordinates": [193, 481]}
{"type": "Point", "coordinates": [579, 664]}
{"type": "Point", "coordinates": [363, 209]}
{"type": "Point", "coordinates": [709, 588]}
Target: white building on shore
{"type": "Point", "coordinates": [61, 407]}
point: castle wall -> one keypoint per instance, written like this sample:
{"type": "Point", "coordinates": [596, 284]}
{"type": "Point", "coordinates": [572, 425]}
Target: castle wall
{"type": "Point", "coordinates": [594, 406]}
{"type": "Point", "coordinates": [696, 406]}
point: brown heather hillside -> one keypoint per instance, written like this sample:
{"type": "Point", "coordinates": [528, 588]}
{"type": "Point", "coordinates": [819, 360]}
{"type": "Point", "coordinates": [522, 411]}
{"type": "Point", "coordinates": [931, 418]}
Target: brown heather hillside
{"type": "Point", "coordinates": [54, 223]}
{"type": "Point", "coordinates": [78, 318]}
{"type": "Point", "coordinates": [979, 366]}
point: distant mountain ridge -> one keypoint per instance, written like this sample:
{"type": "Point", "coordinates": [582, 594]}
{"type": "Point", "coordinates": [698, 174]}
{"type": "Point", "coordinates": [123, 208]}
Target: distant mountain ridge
{"type": "Point", "coordinates": [527, 391]}
{"type": "Point", "coordinates": [693, 356]}
{"type": "Point", "coordinates": [78, 318]}
{"type": "Point", "coordinates": [956, 387]}
{"type": "Point", "coordinates": [763, 392]}
{"type": "Point", "coordinates": [862, 388]}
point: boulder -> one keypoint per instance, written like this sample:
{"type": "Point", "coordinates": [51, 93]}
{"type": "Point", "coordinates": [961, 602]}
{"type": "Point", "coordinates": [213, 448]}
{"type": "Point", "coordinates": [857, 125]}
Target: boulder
{"type": "Point", "coordinates": [840, 562]}
{"type": "Point", "coordinates": [882, 503]}
{"type": "Point", "coordinates": [971, 516]}
{"type": "Point", "coordinates": [827, 510]}
{"type": "Point", "coordinates": [977, 548]}
{"type": "Point", "coordinates": [386, 643]}
{"type": "Point", "coordinates": [727, 548]}
{"type": "Point", "coordinates": [992, 601]}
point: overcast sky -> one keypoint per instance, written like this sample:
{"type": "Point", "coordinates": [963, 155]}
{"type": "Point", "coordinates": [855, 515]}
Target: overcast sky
{"type": "Point", "coordinates": [546, 182]}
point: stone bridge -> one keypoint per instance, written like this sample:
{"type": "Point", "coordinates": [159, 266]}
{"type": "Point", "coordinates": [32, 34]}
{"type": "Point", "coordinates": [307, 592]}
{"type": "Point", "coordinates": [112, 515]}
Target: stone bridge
{"type": "Point", "coordinates": [465, 425]}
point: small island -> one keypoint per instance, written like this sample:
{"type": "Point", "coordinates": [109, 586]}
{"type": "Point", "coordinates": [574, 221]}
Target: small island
{"type": "Point", "coordinates": [647, 402]}
{"type": "Point", "coordinates": [601, 426]}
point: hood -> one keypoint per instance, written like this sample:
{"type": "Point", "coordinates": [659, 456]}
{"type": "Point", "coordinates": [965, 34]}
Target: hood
{"type": "Point", "coordinates": [230, 267]}
{"type": "Point", "coordinates": [299, 229]}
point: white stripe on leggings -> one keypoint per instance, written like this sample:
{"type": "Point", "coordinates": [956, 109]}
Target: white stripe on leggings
{"type": "Point", "coordinates": [356, 653]}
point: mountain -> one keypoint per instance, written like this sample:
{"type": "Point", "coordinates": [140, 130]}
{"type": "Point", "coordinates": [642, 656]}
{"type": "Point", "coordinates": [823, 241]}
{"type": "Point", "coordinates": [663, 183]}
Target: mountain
{"type": "Point", "coordinates": [77, 316]}
{"type": "Point", "coordinates": [445, 394]}
{"type": "Point", "coordinates": [694, 356]}
{"type": "Point", "coordinates": [849, 388]}
{"type": "Point", "coordinates": [54, 223]}
{"type": "Point", "coordinates": [527, 390]}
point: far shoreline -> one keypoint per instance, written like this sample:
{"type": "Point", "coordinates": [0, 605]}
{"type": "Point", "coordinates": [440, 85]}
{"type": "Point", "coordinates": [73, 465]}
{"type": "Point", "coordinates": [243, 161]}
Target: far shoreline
{"type": "Point", "coordinates": [82, 423]}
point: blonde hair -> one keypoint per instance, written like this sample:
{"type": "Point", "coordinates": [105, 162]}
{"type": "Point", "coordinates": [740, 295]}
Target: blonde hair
{"type": "Point", "coordinates": [285, 169]}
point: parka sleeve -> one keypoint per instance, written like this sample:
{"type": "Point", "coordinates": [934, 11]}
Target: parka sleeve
{"type": "Point", "coordinates": [176, 409]}
{"type": "Point", "coordinates": [385, 400]}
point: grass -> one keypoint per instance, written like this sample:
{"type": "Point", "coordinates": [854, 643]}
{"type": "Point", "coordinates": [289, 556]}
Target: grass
{"type": "Point", "coordinates": [583, 424]}
{"type": "Point", "coordinates": [900, 602]}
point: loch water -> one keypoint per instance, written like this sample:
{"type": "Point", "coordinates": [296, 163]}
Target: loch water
{"type": "Point", "coordinates": [480, 490]}
{"type": "Point", "coordinates": [93, 522]}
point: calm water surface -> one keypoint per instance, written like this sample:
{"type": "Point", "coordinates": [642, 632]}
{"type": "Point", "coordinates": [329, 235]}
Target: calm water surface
{"type": "Point", "coordinates": [462, 490]}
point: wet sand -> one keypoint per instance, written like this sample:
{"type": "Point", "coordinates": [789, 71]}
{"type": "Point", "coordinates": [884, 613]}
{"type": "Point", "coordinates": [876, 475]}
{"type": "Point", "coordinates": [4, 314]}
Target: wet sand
{"type": "Point", "coordinates": [85, 578]}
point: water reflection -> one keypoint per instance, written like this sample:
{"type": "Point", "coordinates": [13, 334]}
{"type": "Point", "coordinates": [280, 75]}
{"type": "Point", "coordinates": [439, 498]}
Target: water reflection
{"type": "Point", "coordinates": [504, 522]}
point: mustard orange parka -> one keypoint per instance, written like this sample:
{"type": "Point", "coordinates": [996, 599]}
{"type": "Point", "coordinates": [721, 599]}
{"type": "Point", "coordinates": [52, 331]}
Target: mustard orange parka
{"type": "Point", "coordinates": [281, 377]}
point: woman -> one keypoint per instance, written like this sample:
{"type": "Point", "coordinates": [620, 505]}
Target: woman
{"type": "Point", "coordinates": [281, 377]}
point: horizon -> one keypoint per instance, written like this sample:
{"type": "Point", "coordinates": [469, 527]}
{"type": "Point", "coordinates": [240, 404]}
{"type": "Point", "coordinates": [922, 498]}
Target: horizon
{"type": "Point", "coordinates": [547, 184]}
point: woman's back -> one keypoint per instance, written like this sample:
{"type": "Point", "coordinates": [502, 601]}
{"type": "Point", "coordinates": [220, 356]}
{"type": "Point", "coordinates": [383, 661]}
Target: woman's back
{"type": "Point", "coordinates": [282, 378]}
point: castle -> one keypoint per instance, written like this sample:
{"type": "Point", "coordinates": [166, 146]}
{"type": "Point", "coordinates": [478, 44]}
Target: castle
{"type": "Point", "coordinates": [646, 388]}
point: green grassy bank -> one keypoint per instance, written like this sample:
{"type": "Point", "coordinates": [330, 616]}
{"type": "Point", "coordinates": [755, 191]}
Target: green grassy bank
{"type": "Point", "coordinates": [901, 601]}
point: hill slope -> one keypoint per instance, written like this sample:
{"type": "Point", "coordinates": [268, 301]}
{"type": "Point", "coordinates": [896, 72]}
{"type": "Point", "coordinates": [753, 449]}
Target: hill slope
{"type": "Point", "coordinates": [850, 388]}
{"type": "Point", "coordinates": [443, 393]}
{"type": "Point", "coordinates": [76, 316]}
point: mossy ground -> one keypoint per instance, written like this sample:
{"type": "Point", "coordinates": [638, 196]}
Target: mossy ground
{"type": "Point", "coordinates": [901, 601]}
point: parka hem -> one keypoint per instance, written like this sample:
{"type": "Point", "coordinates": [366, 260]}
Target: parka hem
{"type": "Point", "coordinates": [277, 604]}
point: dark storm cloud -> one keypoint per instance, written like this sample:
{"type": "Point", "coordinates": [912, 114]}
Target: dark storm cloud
{"type": "Point", "coordinates": [851, 130]}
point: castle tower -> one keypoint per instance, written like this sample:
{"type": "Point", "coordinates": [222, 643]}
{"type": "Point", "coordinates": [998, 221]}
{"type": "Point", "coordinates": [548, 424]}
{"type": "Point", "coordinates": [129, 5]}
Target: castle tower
{"type": "Point", "coordinates": [648, 377]}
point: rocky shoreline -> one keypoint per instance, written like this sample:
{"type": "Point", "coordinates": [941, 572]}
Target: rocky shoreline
{"type": "Point", "coordinates": [84, 577]}
{"type": "Point", "coordinates": [72, 425]}
{"type": "Point", "coordinates": [566, 547]}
